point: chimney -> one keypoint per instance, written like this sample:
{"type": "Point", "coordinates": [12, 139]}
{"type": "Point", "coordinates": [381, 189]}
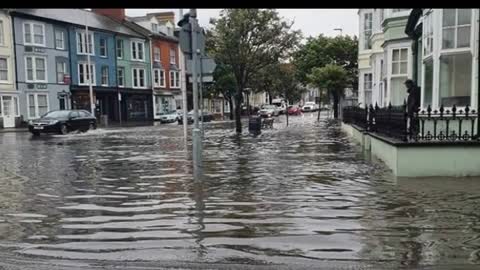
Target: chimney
{"type": "Point", "coordinates": [114, 13]}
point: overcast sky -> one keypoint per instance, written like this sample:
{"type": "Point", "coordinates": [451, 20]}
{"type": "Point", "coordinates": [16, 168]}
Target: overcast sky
{"type": "Point", "coordinates": [312, 22]}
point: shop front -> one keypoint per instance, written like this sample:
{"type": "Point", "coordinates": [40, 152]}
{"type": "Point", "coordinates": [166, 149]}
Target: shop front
{"type": "Point", "coordinates": [163, 103]}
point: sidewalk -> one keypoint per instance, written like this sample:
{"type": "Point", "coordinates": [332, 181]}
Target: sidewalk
{"type": "Point", "coordinates": [8, 130]}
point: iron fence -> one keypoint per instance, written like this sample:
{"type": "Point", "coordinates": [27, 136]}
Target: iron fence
{"type": "Point", "coordinates": [442, 125]}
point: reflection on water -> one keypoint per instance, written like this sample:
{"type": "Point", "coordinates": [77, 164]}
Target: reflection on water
{"type": "Point", "coordinates": [302, 193]}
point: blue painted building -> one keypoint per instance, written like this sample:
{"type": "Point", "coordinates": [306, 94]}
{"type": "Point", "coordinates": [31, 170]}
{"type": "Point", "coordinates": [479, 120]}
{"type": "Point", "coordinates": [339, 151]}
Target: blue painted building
{"type": "Point", "coordinates": [42, 64]}
{"type": "Point", "coordinates": [117, 102]}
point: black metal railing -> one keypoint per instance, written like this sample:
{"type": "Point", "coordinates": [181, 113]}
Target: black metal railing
{"type": "Point", "coordinates": [423, 126]}
{"type": "Point", "coordinates": [355, 115]}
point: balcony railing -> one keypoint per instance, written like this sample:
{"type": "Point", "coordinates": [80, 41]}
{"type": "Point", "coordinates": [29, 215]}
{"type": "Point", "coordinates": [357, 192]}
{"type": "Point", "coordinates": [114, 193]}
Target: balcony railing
{"type": "Point", "coordinates": [442, 125]}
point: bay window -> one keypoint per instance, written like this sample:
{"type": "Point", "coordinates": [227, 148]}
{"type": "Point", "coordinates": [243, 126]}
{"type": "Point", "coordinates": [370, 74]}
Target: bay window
{"type": "Point", "coordinates": [2, 38]}
{"type": "Point", "coordinates": [367, 87]}
{"type": "Point", "coordinates": [428, 83]}
{"type": "Point", "coordinates": [456, 28]}
{"type": "Point", "coordinates": [36, 68]}
{"type": "Point", "coordinates": [37, 105]}
{"type": "Point", "coordinates": [34, 34]}
{"type": "Point", "coordinates": [85, 73]}
{"type": "Point", "coordinates": [400, 61]}
{"type": "Point", "coordinates": [455, 79]}
{"type": "Point", "coordinates": [367, 30]}
{"type": "Point", "coordinates": [138, 77]}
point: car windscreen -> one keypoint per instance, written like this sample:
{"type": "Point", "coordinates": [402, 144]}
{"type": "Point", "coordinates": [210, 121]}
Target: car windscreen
{"type": "Point", "coordinates": [168, 112]}
{"type": "Point", "coordinates": [56, 114]}
{"type": "Point", "coordinates": [268, 107]}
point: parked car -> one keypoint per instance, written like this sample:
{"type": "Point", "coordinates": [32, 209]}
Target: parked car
{"type": "Point", "coordinates": [62, 122]}
{"type": "Point", "coordinates": [207, 117]}
{"type": "Point", "coordinates": [310, 107]}
{"type": "Point", "coordinates": [281, 105]}
{"type": "Point", "coordinates": [168, 117]}
{"type": "Point", "coordinates": [268, 110]}
{"type": "Point", "coordinates": [294, 110]}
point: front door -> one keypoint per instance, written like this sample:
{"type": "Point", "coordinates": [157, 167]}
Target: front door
{"type": "Point", "coordinates": [8, 112]}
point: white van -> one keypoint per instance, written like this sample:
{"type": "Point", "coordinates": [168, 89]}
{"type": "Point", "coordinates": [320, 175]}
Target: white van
{"type": "Point", "coordinates": [281, 104]}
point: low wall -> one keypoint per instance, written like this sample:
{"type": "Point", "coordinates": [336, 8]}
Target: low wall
{"type": "Point", "coordinates": [421, 159]}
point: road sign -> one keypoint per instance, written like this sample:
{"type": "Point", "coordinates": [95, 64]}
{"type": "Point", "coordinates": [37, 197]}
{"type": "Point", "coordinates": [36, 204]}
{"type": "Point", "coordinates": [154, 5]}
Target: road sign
{"type": "Point", "coordinates": [205, 79]}
{"type": "Point", "coordinates": [207, 65]}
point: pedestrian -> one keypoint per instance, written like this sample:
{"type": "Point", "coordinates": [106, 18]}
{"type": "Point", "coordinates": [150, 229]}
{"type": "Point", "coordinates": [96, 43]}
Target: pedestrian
{"type": "Point", "coordinates": [413, 104]}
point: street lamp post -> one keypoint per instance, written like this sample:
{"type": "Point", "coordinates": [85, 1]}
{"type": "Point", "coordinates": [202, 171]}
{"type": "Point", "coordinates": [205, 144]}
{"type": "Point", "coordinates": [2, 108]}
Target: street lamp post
{"type": "Point", "coordinates": [89, 70]}
{"type": "Point", "coordinates": [338, 29]}
{"type": "Point", "coordinates": [196, 133]}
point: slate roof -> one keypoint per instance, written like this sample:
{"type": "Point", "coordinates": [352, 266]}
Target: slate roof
{"type": "Point", "coordinates": [78, 17]}
{"type": "Point", "coordinates": [130, 22]}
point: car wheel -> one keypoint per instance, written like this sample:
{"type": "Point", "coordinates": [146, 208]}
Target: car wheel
{"type": "Point", "coordinates": [63, 129]}
{"type": "Point", "coordinates": [91, 126]}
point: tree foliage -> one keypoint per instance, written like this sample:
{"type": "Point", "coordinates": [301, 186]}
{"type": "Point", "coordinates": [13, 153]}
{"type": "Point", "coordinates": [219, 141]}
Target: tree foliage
{"type": "Point", "coordinates": [322, 50]}
{"type": "Point", "coordinates": [333, 78]}
{"type": "Point", "coordinates": [248, 40]}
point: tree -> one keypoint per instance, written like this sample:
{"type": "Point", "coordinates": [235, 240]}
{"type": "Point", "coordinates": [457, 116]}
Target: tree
{"type": "Point", "coordinates": [223, 83]}
{"type": "Point", "coordinates": [322, 50]}
{"type": "Point", "coordinates": [334, 79]}
{"type": "Point", "coordinates": [248, 40]}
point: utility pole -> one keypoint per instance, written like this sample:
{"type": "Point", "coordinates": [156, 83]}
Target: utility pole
{"type": "Point", "coordinates": [196, 133]}
{"type": "Point", "coordinates": [201, 93]}
{"type": "Point", "coordinates": [183, 81]}
{"type": "Point", "coordinates": [89, 70]}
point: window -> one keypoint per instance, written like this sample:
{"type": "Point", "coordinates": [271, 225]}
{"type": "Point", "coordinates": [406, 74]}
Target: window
{"type": "Point", "coordinates": [104, 76]}
{"type": "Point", "coordinates": [455, 79]}
{"type": "Point", "coordinates": [61, 71]}
{"type": "Point", "coordinates": [399, 61]}
{"type": "Point", "coordinates": [428, 83]}
{"type": "Point", "coordinates": [59, 39]}
{"type": "Point", "coordinates": [398, 91]}
{"type": "Point", "coordinates": [36, 69]}
{"type": "Point", "coordinates": [84, 74]}
{"type": "Point", "coordinates": [367, 86]}
{"type": "Point", "coordinates": [367, 30]}
{"type": "Point", "coordinates": [120, 49]}
{"type": "Point", "coordinates": [174, 79]}
{"type": "Point", "coordinates": [138, 52]}
{"type": "Point", "coordinates": [82, 43]}
{"type": "Point", "coordinates": [428, 34]}
{"type": "Point", "coordinates": [103, 47]}
{"type": "Point", "coordinates": [172, 57]}
{"type": "Point", "coordinates": [121, 76]}
{"type": "Point", "coordinates": [138, 77]}
{"type": "Point", "coordinates": [159, 78]}
{"type": "Point", "coordinates": [156, 54]}
{"type": "Point", "coordinates": [456, 28]}
{"type": "Point", "coordinates": [154, 27]}
{"type": "Point", "coordinates": [3, 69]}
{"type": "Point", "coordinates": [34, 34]}
{"type": "Point", "coordinates": [2, 38]}
{"type": "Point", "coordinates": [37, 105]}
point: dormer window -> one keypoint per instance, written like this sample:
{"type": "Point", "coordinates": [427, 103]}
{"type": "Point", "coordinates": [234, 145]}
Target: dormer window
{"type": "Point", "coordinates": [154, 27]}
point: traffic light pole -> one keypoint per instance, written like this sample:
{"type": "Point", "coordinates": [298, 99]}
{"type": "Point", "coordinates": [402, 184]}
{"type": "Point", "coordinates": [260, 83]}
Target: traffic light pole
{"type": "Point", "coordinates": [196, 133]}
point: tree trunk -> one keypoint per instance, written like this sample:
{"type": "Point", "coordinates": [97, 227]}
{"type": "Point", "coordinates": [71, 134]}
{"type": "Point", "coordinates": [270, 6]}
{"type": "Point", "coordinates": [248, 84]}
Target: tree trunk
{"type": "Point", "coordinates": [335, 105]}
{"type": "Point", "coordinates": [319, 104]}
{"type": "Point", "coordinates": [230, 102]}
{"type": "Point", "coordinates": [238, 111]}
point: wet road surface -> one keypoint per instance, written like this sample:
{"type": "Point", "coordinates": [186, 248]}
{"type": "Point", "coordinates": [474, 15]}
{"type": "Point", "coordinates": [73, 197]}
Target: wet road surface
{"type": "Point", "coordinates": [301, 196]}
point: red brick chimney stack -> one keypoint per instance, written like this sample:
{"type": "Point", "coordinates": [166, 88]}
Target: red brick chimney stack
{"type": "Point", "coordinates": [114, 13]}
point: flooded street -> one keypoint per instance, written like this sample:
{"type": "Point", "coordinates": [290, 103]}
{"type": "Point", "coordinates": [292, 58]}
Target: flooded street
{"type": "Point", "coordinates": [298, 195]}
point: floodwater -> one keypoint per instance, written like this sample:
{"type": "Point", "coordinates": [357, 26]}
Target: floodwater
{"type": "Point", "coordinates": [301, 194]}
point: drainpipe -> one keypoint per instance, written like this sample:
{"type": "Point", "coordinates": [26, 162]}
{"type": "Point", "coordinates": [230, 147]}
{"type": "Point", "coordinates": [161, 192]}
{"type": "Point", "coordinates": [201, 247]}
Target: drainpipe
{"type": "Point", "coordinates": [478, 75]}
{"type": "Point", "coordinates": [152, 76]}
{"type": "Point", "coordinates": [116, 76]}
